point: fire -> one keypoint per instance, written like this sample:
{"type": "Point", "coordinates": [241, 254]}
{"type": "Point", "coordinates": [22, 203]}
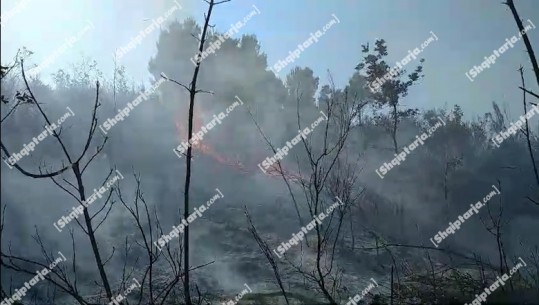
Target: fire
{"type": "Point", "coordinates": [204, 148]}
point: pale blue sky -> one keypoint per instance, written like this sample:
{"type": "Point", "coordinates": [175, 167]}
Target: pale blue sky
{"type": "Point", "coordinates": [467, 30]}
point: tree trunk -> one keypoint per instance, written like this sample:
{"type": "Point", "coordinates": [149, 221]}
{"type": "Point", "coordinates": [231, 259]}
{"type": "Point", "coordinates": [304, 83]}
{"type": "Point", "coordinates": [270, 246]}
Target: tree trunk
{"type": "Point", "coordinates": [391, 285]}
{"type": "Point", "coordinates": [192, 94]}
{"type": "Point", "coordinates": [394, 131]}
{"type": "Point", "coordinates": [91, 234]}
{"type": "Point", "coordinates": [528, 141]}
{"type": "Point", "coordinates": [529, 48]}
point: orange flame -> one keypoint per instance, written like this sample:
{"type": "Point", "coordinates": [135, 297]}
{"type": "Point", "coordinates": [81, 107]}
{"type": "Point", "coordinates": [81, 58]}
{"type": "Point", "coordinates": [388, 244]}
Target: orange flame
{"type": "Point", "coordinates": [207, 150]}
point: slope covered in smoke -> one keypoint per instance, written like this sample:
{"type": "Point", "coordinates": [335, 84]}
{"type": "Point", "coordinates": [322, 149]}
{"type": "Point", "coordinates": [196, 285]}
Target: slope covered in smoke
{"type": "Point", "coordinates": [381, 231]}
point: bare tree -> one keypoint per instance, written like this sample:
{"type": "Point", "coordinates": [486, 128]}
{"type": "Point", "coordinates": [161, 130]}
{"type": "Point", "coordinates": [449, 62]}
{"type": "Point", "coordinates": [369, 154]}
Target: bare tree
{"type": "Point", "coordinates": [157, 284]}
{"type": "Point", "coordinates": [525, 38]}
{"type": "Point", "coordinates": [78, 166]}
{"type": "Point", "coordinates": [494, 226]}
{"type": "Point", "coordinates": [264, 248]}
{"type": "Point", "coordinates": [192, 89]}
{"type": "Point", "coordinates": [320, 178]}
{"type": "Point", "coordinates": [535, 65]}
{"type": "Point", "coordinates": [527, 133]}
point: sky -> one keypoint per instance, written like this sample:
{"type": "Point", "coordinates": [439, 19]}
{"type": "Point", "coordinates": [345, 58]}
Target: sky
{"type": "Point", "coordinates": [467, 31]}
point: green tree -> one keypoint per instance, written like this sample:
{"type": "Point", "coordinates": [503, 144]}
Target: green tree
{"type": "Point", "coordinates": [389, 85]}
